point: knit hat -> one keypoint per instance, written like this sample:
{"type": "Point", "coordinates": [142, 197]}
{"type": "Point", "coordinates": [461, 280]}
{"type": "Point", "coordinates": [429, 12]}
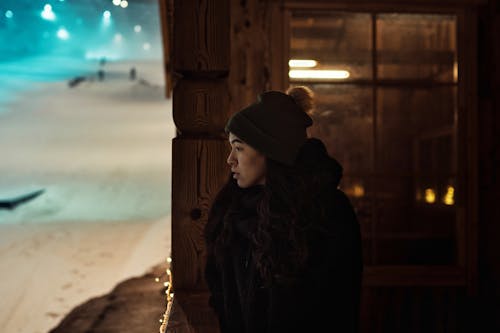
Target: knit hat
{"type": "Point", "coordinates": [275, 125]}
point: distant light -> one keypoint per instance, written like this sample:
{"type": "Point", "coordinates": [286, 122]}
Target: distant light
{"type": "Point", "coordinates": [118, 38]}
{"type": "Point", "coordinates": [146, 46]}
{"type": "Point", "coordinates": [117, 2]}
{"type": "Point", "coordinates": [106, 18]}
{"type": "Point", "coordinates": [358, 191]}
{"type": "Point", "coordinates": [137, 28]}
{"type": "Point", "coordinates": [61, 0]}
{"type": "Point", "coordinates": [124, 4]}
{"type": "Point", "coordinates": [47, 13]}
{"type": "Point", "coordinates": [302, 63]}
{"type": "Point", "coordinates": [430, 196]}
{"type": "Point", "coordinates": [9, 14]}
{"type": "Point", "coordinates": [449, 196]}
{"type": "Point", "coordinates": [318, 74]}
{"type": "Point", "coordinates": [62, 33]}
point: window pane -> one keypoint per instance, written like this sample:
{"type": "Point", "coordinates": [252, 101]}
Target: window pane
{"type": "Point", "coordinates": [415, 176]}
{"type": "Point", "coordinates": [413, 46]}
{"type": "Point", "coordinates": [337, 41]}
{"type": "Point", "coordinates": [343, 120]}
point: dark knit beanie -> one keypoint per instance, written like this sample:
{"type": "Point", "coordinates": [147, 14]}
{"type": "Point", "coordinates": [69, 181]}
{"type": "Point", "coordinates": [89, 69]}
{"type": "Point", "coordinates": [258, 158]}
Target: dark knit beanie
{"type": "Point", "coordinates": [275, 125]}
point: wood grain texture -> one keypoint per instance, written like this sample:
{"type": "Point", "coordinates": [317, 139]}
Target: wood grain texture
{"type": "Point", "coordinates": [198, 170]}
{"type": "Point", "coordinates": [201, 106]}
{"type": "Point", "coordinates": [166, 20]}
{"type": "Point", "coordinates": [250, 51]}
{"type": "Point", "coordinates": [201, 36]}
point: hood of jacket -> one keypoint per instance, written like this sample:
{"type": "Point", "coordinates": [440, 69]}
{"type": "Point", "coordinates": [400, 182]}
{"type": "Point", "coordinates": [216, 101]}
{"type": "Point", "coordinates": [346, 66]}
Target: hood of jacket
{"type": "Point", "coordinates": [316, 165]}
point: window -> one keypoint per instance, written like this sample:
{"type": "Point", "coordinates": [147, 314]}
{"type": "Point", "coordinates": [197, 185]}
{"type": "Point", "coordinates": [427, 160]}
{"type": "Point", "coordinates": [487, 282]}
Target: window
{"type": "Point", "coordinates": [386, 88]}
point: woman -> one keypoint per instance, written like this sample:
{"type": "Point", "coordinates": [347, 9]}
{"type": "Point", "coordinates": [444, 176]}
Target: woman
{"type": "Point", "coordinates": [283, 242]}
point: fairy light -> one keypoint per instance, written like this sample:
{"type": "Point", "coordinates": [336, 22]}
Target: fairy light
{"type": "Point", "coordinates": [170, 297]}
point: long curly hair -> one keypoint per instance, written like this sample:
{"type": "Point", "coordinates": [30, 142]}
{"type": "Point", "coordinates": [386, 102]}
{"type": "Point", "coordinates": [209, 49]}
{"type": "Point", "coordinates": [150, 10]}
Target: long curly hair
{"type": "Point", "coordinates": [284, 212]}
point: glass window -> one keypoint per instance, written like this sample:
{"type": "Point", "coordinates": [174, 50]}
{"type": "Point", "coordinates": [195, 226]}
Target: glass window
{"type": "Point", "coordinates": [393, 128]}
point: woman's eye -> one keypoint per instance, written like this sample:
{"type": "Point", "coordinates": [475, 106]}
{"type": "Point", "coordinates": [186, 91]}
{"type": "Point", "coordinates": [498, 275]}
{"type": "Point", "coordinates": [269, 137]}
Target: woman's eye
{"type": "Point", "coordinates": [238, 148]}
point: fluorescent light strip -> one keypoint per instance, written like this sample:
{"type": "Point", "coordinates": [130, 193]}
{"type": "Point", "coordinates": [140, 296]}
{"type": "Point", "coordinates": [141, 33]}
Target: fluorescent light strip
{"type": "Point", "coordinates": [302, 63]}
{"type": "Point", "coordinates": [318, 74]}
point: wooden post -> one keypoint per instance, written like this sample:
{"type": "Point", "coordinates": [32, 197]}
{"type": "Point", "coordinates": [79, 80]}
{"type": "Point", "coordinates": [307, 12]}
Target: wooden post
{"type": "Point", "coordinates": [201, 60]}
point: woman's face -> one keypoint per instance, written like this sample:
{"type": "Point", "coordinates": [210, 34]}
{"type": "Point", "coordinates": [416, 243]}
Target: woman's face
{"type": "Point", "coordinates": [247, 164]}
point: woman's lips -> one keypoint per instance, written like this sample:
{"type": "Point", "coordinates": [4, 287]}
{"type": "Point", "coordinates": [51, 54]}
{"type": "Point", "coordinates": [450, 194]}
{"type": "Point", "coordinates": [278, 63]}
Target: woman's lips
{"type": "Point", "coordinates": [236, 175]}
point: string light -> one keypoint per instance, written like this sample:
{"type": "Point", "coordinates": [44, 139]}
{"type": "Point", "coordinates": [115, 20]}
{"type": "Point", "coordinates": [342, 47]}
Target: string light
{"type": "Point", "coordinates": [170, 296]}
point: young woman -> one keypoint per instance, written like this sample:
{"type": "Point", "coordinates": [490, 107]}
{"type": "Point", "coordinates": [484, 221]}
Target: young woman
{"type": "Point", "coordinates": [283, 242]}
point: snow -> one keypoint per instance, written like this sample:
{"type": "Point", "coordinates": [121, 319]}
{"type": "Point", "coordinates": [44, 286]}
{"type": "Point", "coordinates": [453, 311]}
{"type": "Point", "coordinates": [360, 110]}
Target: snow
{"type": "Point", "coordinates": [102, 152]}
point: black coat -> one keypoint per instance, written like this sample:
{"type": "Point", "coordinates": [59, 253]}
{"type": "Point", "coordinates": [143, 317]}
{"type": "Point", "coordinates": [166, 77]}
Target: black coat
{"type": "Point", "coordinates": [323, 296]}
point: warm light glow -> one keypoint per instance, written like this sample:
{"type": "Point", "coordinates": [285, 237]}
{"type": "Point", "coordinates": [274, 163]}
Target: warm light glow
{"type": "Point", "coordinates": [47, 13]}
{"type": "Point", "coordinates": [455, 71]}
{"type": "Point", "coordinates": [358, 191]}
{"type": "Point", "coordinates": [302, 63]}
{"type": "Point", "coordinates": [169, 272]}
{"type": "Point", "coordinates": [124, 4]}
{"type": "Point", "coordinates": [430, 196]}
{"type": "Point", "coordinates": [137, 28]}
{"type": "Point", "coordinates": [169, 260]}
{"type": "Point", "coordinates": [117, 2]}
{"type": "Point", "coordinates": [62, 33]}
{"type": "Point", "coordinates": [165, 284]}
{"type": "Point", "coordinates": [449, 196]}
{"type": "Point", "coordinates": [157, 279]}
{"type": "Point", "coordinates": [9, 14]}
{"type": "Point", "coordinates": [318, 74]}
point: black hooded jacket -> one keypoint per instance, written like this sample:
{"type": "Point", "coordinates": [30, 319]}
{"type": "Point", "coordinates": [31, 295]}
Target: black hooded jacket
{"type": "Point", "coordinates": [324, 295]}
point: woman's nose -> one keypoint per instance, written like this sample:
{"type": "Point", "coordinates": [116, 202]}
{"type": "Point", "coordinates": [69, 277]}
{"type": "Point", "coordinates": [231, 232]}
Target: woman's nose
{"type": "Point", "coordinates": [230, 159]}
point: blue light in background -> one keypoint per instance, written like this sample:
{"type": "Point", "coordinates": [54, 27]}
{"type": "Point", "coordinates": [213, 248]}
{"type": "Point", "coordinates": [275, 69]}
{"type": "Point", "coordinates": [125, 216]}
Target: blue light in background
{"type": "Point", "coordinates": [27, 29]}
{"type": "Point", "coordinates": [62, 33]}
{"type": "Point", "coordinates": [47, 13]}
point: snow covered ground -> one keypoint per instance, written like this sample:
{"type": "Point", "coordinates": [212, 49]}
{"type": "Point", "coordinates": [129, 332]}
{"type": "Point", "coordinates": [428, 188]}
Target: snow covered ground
{"type": "Point", "coordinates": [101, 151]}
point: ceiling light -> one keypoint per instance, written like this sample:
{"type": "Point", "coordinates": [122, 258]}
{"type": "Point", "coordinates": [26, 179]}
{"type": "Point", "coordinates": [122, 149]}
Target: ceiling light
{"type": "Point", "coordinates": [302, 63]}
{"type": "Point", "coordinates": [318, 74]}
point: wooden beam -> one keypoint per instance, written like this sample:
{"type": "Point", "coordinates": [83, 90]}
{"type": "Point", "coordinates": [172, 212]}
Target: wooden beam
{"type": "Point", "coordinates": [201, 61]}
